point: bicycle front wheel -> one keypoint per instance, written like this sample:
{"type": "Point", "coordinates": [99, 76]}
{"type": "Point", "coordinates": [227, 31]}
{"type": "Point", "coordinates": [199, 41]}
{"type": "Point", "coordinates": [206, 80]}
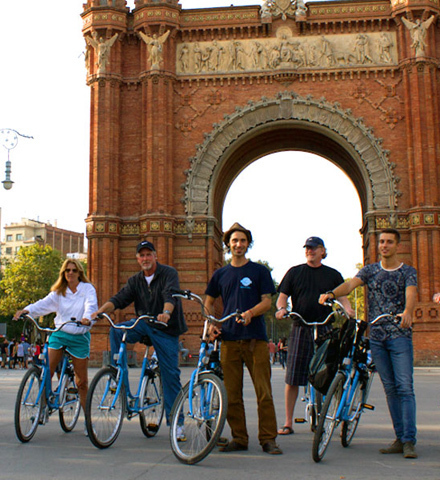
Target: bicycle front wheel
{"type": "Point", "coordinates": [27, 408]}
{"type": "Point", "coordinates": [360, 397]}
{"type": "Point", "coordinates": [151, 403]}
{"type": "Point", "coordinates": [70, 405]}
{"type": "Point", "coordinates": [104, 409]}
{"type": "Point", "coordinates": [198, 418]}
{"type": "Point", "coordinates": [327, 419]}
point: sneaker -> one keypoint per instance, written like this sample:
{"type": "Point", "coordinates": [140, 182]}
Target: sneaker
{"type": "Point", "coordinates": [409, 450]}
{"type": "Point", "coordinates": [272, 448]}
{"type": "Point", "coordinates": [180, 434]}
{"type": "Point", "coordinates": [222, 442]}
{"type": "Point", "coordinates": [395, 447]}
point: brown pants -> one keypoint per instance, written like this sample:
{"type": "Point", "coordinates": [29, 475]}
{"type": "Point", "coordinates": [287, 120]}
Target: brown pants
{"type": "Point", "coordinates": [255, 355]}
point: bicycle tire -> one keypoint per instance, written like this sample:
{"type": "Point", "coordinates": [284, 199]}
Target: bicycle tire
{"type": "Point", "coordinates": [203, 429]}
{"type": "Point", "coordinates": [359, 399]}
{"type": "Point", "coordinates": [327, 421]}
{"type": "Point", "coordinates": [104, 425]}
{"type": "Point", "coordinates": [27, 410]}
{"type": "Point", "coordinates": [70, 405]}
{"type": "Point", "coordinates": [316, 411]}
{"type": "Point", "coordinates": [151, 395]}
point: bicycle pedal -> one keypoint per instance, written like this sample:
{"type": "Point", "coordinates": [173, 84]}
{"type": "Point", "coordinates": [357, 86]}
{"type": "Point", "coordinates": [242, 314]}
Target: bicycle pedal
{"type": "Point", "coordinates": [72, 390]}
{"type": "Point", "coordinates": [300, 420]}
{"type": "Point", "coordinates": [368, 407]}
{"type": "Point", "coordinates": [153, 427]}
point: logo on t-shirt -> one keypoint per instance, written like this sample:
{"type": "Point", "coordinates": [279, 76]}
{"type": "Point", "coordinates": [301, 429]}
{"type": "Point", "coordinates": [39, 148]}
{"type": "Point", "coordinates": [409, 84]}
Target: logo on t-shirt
{"type": "Point", "coordinates": [246, 282]}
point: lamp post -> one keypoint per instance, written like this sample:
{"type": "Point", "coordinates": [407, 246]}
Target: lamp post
{"type": "Point", "coordinates": [9, 139]}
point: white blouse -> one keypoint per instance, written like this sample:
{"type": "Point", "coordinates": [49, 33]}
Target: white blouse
{"type": "Point", "coordinates": [78, 305]}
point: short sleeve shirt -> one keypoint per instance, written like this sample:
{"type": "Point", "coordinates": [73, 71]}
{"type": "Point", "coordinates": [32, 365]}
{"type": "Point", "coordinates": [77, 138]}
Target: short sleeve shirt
{"type": "Point", "coordinates": [241, 288]}
{"type": "Point", "coordinates": [304, 284]}
{"type": "Point", "coordinates": [387, 294]}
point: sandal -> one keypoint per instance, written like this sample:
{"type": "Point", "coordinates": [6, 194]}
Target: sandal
{"type": "Point", "coordinates": [285, 430]}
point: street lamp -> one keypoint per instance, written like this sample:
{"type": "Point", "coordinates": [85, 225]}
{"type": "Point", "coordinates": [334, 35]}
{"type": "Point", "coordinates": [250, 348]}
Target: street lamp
{"type": "Point", "coordinates": [9, 139]}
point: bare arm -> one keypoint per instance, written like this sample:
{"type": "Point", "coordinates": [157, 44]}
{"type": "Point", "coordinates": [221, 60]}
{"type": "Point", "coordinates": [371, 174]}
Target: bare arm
{"type": "Point", "coordinates": [281, 306]}
{"type": "Point", "coordinates": [410, 303]}
{"type": "Point", "coordinates": [342, 290]}
{"type": "Point", "coordinates": [108, 307]}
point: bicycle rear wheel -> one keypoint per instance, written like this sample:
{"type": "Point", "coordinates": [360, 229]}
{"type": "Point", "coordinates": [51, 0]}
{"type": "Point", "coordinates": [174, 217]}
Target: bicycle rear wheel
{"type": "Point", "coordinates": [204, 426]}
{"type": "Point", "coordinates": [70, 405]}
{"type": "Point", "coordinates": [356, 409]}
{"type": "Point", "coordinates": [104, 410]}
{"type": "Point", "coordinates": [27, 409]}
{"type": "Point", "coordinates": [151, 400]}
{"type": "Point", "coordinates": [327, 419]}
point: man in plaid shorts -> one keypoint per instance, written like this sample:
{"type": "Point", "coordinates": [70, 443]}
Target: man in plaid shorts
{"type": "Point", "coordinates": [303, 284]}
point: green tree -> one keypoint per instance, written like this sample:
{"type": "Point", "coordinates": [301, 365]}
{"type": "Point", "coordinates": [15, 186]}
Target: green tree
{"type": "Point", "coordinates": [27, 278]}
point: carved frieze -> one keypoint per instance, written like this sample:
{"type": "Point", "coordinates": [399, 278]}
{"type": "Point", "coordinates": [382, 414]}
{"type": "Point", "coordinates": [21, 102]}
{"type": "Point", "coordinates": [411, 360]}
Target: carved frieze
{"type": "Point", "coordinates": [285, 51]}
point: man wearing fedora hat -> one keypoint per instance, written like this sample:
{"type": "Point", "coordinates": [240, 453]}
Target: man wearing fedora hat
{"type": "Point", "coordinates": [245, 286]}
{"type": "Point", "coordinates": [151, 291]}
{"type": "Point", "coordinates": [303, 284]}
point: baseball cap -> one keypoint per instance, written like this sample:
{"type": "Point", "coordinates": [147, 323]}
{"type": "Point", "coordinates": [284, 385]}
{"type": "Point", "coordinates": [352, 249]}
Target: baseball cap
{"type": "Point", "coordinates": [145, 244]}
{"type": "Point", "coordinates": [314, 242]}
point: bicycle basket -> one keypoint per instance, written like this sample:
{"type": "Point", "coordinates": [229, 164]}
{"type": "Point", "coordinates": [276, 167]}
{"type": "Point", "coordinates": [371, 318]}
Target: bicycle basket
{"type": "Point", "coordinates": [325, 363]}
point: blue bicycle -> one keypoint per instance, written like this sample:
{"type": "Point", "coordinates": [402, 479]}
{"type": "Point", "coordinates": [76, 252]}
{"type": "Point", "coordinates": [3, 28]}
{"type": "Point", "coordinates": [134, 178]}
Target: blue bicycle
{"type": "Point", "coordinates": [109, 397]}
{"type": "Point", "coordinates": [200, 408]}
{"type": "Point", "coordinates": [36, 400]}
{"type": "Point", "coordinates": [311, 397]}
{"type": "Point", "coordinates": [347, 396]}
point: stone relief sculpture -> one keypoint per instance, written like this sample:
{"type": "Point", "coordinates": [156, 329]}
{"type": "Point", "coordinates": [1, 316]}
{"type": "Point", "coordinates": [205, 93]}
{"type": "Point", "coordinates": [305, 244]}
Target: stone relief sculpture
{"type": "Point", "coordinates": [287, 52]}
{"type": "Point", "coordinates": [155, 47]}
{"type": "Point", "coordinates": [282, 7]}
{"type": "Point", "coordinates": [102, 48]}
{"type": "Point", "coordinates": [418, 31]}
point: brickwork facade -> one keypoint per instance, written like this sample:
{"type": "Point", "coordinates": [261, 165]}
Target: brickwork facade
{"type": "Point", "coordinates": [183, 100]}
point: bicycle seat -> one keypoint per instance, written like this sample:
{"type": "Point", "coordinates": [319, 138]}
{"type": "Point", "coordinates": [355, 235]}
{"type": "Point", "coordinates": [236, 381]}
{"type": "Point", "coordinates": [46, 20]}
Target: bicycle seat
{"type": "Point", "coordinates": [146, 340]}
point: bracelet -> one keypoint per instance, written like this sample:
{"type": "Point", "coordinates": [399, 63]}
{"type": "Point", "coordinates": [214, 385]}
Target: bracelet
{"type": "Point", "coordinates": [167, 312]}
{"type": "Point", "coordinates": [250, 310]}
{"type": "Point", "coordinates": [331, 292]}
{"type": "Point", "coordinates": [281, 308]}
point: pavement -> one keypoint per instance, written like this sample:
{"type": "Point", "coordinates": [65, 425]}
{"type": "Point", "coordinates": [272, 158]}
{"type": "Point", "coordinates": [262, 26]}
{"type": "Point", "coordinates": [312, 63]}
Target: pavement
{"type": "Point", "coordinates": [55, 454]}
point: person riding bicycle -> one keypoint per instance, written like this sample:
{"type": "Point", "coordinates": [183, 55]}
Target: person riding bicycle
{"type": "Point", "coordinates": [151, 291]}
{"type": "Point", "coordinates": [246, 286]}
{"type": "Point", "coordinates": [72, 296]}
{"type": "Point", "coordinates": [303, 284]}
{"type": "Point", "coordinates": [392, 288]}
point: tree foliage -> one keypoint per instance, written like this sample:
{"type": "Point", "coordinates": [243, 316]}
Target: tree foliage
{"type": "Point", "coordinates": [28, 277]}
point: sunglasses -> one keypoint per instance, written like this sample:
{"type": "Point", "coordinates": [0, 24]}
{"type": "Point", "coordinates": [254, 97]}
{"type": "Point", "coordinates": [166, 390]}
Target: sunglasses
{"type": "Point", "coordinates": [73, 270]}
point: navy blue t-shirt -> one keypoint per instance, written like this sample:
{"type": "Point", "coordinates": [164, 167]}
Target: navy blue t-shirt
{"type": "Point", "coordinates": [241, 288]}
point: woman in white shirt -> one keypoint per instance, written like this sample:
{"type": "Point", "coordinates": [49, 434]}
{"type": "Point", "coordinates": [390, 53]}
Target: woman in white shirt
{"type": "Point", "coordinates": [72, 296]}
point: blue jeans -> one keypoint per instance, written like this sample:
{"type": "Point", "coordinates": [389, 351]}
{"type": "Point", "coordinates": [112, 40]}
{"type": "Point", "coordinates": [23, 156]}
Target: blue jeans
{"type": "Point", "coordinates": [394, 362]}
{"type": "Point", "coordinates": [167, 350]}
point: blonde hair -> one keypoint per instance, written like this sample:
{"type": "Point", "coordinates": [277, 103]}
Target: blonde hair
{"type": "Point", "coordinates": [60, 286]}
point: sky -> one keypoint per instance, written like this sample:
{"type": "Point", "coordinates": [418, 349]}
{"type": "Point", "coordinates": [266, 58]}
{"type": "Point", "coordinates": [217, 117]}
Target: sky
{"type": "Point", "coordinates": [43, 94]}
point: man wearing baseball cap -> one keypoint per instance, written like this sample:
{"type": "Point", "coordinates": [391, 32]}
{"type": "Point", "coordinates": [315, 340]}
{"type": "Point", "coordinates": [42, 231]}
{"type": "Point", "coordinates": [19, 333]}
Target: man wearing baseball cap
{"type": "Point", "coordinates": [303, 284]}
{"type": "Point", "coordinates": [151, 291]}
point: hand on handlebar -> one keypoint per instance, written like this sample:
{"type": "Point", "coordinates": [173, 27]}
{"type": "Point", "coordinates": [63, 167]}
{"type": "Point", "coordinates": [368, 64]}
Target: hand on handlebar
{"type": "Point", "coordinates": [18, 314]}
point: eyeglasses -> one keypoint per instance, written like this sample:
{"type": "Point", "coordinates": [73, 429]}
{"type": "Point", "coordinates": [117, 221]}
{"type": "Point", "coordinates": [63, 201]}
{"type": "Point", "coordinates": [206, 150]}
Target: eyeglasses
{"type": "Point", "coordinates": [73, 270]}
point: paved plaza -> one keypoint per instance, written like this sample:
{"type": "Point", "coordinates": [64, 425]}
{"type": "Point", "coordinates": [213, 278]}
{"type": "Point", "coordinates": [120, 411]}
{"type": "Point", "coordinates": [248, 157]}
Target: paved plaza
{"type": "Point", "coordinates": [55, 454]}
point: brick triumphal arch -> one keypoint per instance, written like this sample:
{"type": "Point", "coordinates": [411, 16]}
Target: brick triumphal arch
{"type": "Point", "coordinates": [183, 100]}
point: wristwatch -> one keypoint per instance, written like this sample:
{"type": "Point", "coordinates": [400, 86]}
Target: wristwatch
{"type": "Point", "coordinates": [331, 292]}
{"type": "Point", "coordinates": [168, 312]}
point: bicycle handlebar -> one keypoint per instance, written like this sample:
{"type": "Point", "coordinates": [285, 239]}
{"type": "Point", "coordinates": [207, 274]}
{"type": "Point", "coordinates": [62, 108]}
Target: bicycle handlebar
{"type": "Point", "coordinates": [148, 318]}
{"type": "Point", "coordinates": [328, 319]}
{"type": "Point", "coordinates": [188, 295]}
{"type": "Point", "coordinates": [26, 317]}
{"type": "Point", "coordinates": [396, 318]}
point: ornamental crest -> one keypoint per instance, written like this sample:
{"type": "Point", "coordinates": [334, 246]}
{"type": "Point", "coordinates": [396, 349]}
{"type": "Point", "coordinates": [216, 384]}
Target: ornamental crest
{"type": "Point", "coordinates": [283, 8]}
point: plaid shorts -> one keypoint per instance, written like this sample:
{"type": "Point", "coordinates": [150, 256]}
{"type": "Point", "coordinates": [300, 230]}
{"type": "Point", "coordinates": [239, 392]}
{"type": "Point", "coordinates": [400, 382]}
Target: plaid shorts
{"type": "Point", "coordinates": [299, 354]}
